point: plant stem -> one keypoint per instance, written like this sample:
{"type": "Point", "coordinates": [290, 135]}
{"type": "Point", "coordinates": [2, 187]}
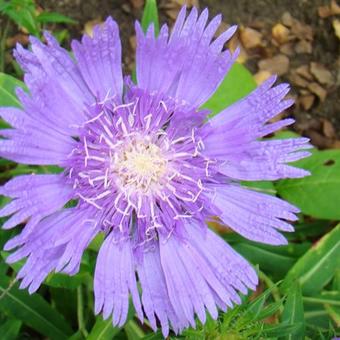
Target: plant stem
{"type": "Point", "coordinates": [3, 46]}
{"type": "Point", "coordinates": [80, 311]}
{"type": "Point", "coordinates": [270, 284]}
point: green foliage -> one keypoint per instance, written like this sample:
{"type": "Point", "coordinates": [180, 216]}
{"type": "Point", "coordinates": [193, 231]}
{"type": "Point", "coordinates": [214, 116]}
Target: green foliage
{"type": "Point", "coordinates": [293, 312]}
{"type": "Point", "coordinates": [150, 16]}
{"type": "Point", "coordinates": [10, 329]}
{"type": "Point", "coordinates": [316, 195]}
{"type": "Point", "coordinates": [318, 266]}
{"type": "Point", "coordinates": [26, 15]}
{"type": "Point", "coordinates": [32, 310]}
{"type": "Point", "coordinates": [299, 292]}
{"type": "Point", "coordinates": [8, 84]}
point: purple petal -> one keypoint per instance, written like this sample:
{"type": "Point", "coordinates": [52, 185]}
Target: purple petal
{"type": "Point", "coordinates": [45, 252]}
{"type": "Point", "coordinates": [99, 60]}
{"type": "Point", "coordinates": [186, 65]}
{"type": "Point", "coordinates": [254, 215]}
{"type": "Point", "coordinates": [34, 197]}
{"type": "Point", "coordinates": [115, 278]}
{"type": "Point", "coordinates": [155, 296]}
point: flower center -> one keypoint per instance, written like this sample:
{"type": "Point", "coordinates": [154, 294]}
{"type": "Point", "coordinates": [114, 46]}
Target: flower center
{"type": "Point", "coordinates": [140, 166]}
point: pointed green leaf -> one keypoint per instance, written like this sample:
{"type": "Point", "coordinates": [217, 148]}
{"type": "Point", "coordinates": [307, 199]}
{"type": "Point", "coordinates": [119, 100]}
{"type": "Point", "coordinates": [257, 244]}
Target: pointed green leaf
{"type": "Point", "coordinates": [317, 267]}
{"type": "Point", "coordinates": [10, 329]}
{"type": "Point", "coordinates": [48, 17]}
{"type": "Point", "coordinates": [59, 280]}
{"type": "Point", "coordinates": [32, 310]}
{"type": "Point", "coordinates": [8, 84]}
{"type": "Point", "coordinates": [268, 260]}
{"type": "Point", "coordinates": [280, 330]}
{"type": "Point", "coordinates": [316, 195]}
{"type": "Point", "coordinates": [326, 297]}
{"type": "Point", "coordinates": [293, 312]}
{"type": "Point", "coordinates": [150, 16]}
{"type": "Point", "coordinates": [103, 330]}
{"type": "Point", "coordinates": [133, 331]}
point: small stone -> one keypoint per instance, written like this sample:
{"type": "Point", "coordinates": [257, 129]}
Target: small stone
{"type": "Point", "coordinates": [287, 49]}
{"type": "Point", "coordinates": [137, 4]}
{"type": "Point", "coordinates": [307, 101]}
{"type": "Point", "coordinates": [327, 11]}
{"type": "Point", "coordinates": [280, 33]}
{"type": "Point", "coordinates": [277, 65]}
{"type": "Point", "coordinates": [303, 71]}
{"type": "Point", "coordinates": [319, 140]}
{"type": "Point", "coordinates": [250, 38]}
{"type": "Point", "coordinates": [318, 90]}
{"type": "Point", "coordinates": [328, 129]}
{"type": "Point", "coordinates": [126, 8]}
{"type": "Point", "coordinates": [335, 8]}
{"type": "Point", "coordinates": [321, 74]}
{"type": "Point", "coordinates": [261, 76]}
{"type": "Point", "coordinates": [18, 38]}
{"type": "Point", "coordinates": [298, 80]}
{"type": "Point", "coordinates": [336, 26]}
{"type": "Point", "coordinates": [172, 13]}
{"type": "Point", "coordinates": [324, 11]}
{"type": "Point", "coordinates": [189, 3]}
{"type": "Point", "coordinates": [287, 19]}
{"type": "Point", "coordinates": [303, 47]}
{"type": "Point", "coordinates": [89, 25]}
{"type": "Point", "coordinates": [302, 31]}
{"type": "Point", "coordinates": [132, 41]}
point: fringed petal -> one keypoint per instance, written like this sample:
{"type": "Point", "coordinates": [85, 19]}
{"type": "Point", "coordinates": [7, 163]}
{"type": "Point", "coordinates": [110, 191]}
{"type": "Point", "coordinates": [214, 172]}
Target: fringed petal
{"type": "Point", "coordinates": [115, 279]}
{"type": "Point", "coordinates": [99, 60]}
{"type": "Point", "coordinates": [254, 215]}
{"type": "Point", "coordinates": [185, 64]}
{"type": "Point", "coordinates": [45, 251]}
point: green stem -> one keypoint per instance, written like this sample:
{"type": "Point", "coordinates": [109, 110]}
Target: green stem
{"type": "Point", "coordinates": [270, 284]}
{"type": "Point", "coordinates": [80, 311]}
{"type": "Point", "coordinates": [3, 46]}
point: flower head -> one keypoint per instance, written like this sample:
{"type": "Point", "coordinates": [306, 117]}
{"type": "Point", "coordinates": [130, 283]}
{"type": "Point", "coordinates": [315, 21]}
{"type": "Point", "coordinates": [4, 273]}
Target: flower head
{"type": "Point", "coordinates": [147, 167]}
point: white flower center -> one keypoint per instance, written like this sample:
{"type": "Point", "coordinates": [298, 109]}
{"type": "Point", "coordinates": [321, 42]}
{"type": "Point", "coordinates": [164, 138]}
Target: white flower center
{"type": "Point", "coordinates": [140, 166]}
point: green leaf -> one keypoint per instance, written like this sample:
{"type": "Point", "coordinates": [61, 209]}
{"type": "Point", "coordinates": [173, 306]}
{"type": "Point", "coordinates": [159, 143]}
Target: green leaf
{"type": "Point", "coordinates": [58, 280]}
{"type": "Point", "coordinates": [268, 260]}
{"type": "Point", "coordinates": [10, 329]}
{"type": "Point", "coordinates": [261, 186]}
{"type": "Point", "coordinates": [317, 267]}
{"type": "Point", "coordinates": [65, 302]}
{"type": "Point", "coordinates": [133, 331]}
{"type": "Point", "coordinates": [22, 12]}
{"type": "Point", "coordinates": [280, 330]}
{"type": "Point", "coordinates": [48, 17]}
{"type": "Point", "coordinates": [32, 310]}
{"type": "Point", "coordinates": [237, 84]}
{"type": "Point", "coordinates": [150, 16]}
{"type": "Point", "coordinates": [103, 330]}
{"type": "Point", "coordinates": [326, 297]}
{"type": "Point", "coordinates": [293, 312]}
{"type": "Point", "coordinates": [316, 195]}
{"type": "Point", "coordinates": [8, 84]}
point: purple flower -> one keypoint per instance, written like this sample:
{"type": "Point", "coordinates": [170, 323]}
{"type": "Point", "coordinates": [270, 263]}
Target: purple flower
{"type": "Point", "coordinates": [147, 167]}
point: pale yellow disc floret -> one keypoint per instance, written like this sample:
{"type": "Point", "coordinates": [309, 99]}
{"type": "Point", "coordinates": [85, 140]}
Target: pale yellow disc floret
{"type": "Point", "coordinates": [140, 166]}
